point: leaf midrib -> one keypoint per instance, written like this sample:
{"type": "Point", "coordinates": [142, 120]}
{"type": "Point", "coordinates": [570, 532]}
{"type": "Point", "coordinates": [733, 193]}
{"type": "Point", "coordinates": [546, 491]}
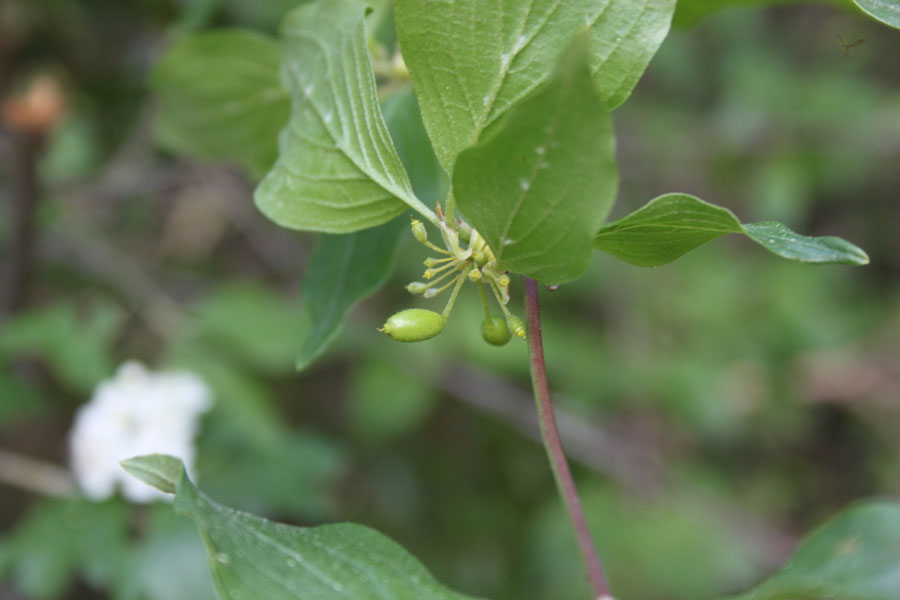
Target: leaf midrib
{"type": "Point", "coordinates": [614, 230]}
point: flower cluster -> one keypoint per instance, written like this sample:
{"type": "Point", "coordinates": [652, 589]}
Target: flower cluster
{"type": "Point", "coordinates": [137, 412]}
{"type": "Point", "coordinates": [453, 266]}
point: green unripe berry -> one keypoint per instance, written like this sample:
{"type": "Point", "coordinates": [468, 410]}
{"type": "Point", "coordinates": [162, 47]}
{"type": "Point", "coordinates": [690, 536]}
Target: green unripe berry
{"type": "Point", "coordinates": [414, 325]}
{"type": "Point", "coordinates": [495, 331]}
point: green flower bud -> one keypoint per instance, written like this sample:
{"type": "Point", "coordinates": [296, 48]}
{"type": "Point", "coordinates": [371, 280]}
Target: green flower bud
{"type": "Point", "coordinates": [516, 325]}
{"type": "Point", "coordinates": [495, 331]}
{"type": "Point", "coordinates": [414, 325]}
{"type": "Point", "coordinates": [418, 230]}
{"type": "Point", "coordinates": [416, 287]}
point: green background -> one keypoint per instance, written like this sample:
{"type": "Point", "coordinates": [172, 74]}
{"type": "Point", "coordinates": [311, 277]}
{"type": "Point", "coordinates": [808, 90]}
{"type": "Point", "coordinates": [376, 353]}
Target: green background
{"type": "Point", "coordinates": [716, 409]}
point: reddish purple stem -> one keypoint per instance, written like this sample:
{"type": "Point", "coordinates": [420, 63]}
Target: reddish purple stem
{"type": "Point", "coordinates": [553, 445]}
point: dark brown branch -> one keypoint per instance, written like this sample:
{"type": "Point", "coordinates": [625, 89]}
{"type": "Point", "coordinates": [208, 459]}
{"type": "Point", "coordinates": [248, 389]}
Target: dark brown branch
{"type": "Point", "coordinates": [23, 193]}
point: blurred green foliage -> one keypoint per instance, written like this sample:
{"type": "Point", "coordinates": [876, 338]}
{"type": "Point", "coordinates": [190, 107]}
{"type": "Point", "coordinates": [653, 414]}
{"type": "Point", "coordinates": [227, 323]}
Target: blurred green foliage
{"type": "Point", "coordinates": [238, 122]}
{"type": "Point", "coordinates": [76, 347]}
{"type": "Point", "coordinates": [742, 399]}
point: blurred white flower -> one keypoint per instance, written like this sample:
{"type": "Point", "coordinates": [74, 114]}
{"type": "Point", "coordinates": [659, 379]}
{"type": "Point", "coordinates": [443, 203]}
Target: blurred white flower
{"type": "Point", "coordinates": [136, 412]}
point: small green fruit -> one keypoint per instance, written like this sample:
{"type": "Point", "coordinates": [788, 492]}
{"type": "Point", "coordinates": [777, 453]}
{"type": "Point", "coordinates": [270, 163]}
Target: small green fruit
{"type": "Point", "coordinates": [495, 332]}
{"type": "Point", "coordinates": [414, 325]}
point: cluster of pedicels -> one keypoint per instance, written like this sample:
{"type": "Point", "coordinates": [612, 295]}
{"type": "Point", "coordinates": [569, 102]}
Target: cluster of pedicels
{"type": "Point", "coordinates": [454, 266]}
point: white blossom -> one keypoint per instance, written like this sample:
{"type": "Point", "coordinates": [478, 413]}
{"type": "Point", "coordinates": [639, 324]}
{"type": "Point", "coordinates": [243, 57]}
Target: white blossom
{"type": "Point", "coordinates": [137, 412]}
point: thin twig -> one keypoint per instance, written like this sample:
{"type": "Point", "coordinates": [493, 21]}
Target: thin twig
{"type": "Point", "coordinates": [35, 475]}
{"type": "Point", "coordinates": [564, 482]}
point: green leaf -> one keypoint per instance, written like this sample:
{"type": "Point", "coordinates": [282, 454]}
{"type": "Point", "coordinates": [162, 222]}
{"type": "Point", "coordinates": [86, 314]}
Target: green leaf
{"type": "Point", "coordinates": [625, 34]}
{"type": "Point", "coordinates": [886, 11]}
{"type": "Point", "coordinates": [221, 98]}
{"type": "Point", "coordinates": [251, 557]}
{"type": "Point", "coordinates": [541, 184]}
{"type": "Point", "coordinates": [345, 269]}
{"type": "Point", "coordinates": [337, 170]}
{"type": "Point", "coordinates": [852, 557]}
{"type": "Point", "coordinates": [664, 229]}
{"type": "Point", "coordinates": [471, 61]}
{"type": "Point", "coordinates": [404, 121]}
{"type": "Point", "coordinates": [673, 224]}
{"type": "Point", "coordinates": [777, 238]}
{"type": "Point", "coordinates": [161, 471]}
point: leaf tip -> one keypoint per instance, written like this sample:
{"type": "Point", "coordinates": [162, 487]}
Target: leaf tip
{"type": "Point", "coordinates": [159, 470]}
{"type": "Point", "coordinates": [860, 258]}
{"type": "Point", "coordinates": [779, 239]}
{"type": "Point", "coordinates": [302, 362]}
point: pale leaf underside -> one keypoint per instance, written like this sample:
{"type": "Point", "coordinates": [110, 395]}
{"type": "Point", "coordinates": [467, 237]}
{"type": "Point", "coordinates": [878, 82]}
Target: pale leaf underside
{"type": "Point", "coordinates": [346, 268]}
{"type": "Point", "coordinates": [886, 11]}
{"type": "Point", "coordinates": [337, 170]}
